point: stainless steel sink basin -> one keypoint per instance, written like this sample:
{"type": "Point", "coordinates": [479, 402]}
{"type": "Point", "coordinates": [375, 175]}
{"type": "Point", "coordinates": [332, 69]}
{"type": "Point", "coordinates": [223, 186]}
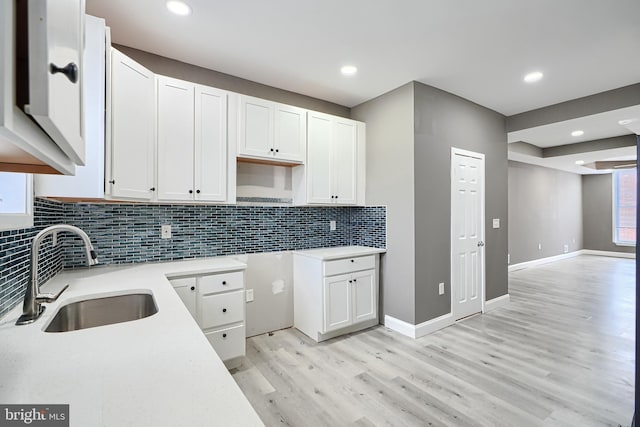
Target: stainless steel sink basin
{"type": "Point", "coordinates": [91, 313]}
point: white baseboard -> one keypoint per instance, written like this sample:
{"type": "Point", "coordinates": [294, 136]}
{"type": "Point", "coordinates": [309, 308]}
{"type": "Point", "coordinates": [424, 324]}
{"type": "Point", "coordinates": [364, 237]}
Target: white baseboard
{"type": "Point", "coordinates": [420, 330]}
{"type": "Point", "coordinates": [609, 253]}
{"type": "Point", "coordinates": [547, 260]}
{"type": "Point", "coordinates": [541, 261]}
{"type": "Point", "coordinates": [498, 302]}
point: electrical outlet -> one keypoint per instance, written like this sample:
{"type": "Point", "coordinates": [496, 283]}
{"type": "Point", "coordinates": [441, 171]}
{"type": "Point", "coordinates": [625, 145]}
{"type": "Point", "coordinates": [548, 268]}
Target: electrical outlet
{"type": "Point", "coordinates": [440, 288]}
{"type": "Point", "coordinates": [165, 231]}
{"type": "Point", "coordinates": [539, 246]}
{"type": "Point", "coordinates": [496, 222]}
{"type": "Point", "coordinates": [566, 248]}
{"type": "Point", "coordinates": [249, 295]}
{"type": "Point", "coordinates": [332, 226]}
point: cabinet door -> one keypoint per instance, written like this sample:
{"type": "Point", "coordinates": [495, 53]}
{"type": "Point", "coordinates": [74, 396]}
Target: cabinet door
{"type": "Point", "coordinates": [364, 296]}
{"type": "Point", "coordinates": [132, 128]}
{"type": "Point", "coordinates": [56, 36]}
{"type": "Point", "coordinates": [186, 290]}
{"type": "Point", "coordinates": [175, 139]}
{"type": "Point", "coordinates": [319, 158]}
{"type": "Point", "coordinates": [256, 127]}
{"type": "Point", "coordinates": [344, 145]}
{"type": "Point", "coordinates": [290, 133]}
{"type": "Point", "coordinates": [338, 306]}
{"type": "Point", "coordinates": [210, 144]}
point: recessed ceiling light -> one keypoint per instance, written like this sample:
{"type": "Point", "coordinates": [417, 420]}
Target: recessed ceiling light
{"type": "Point", "coordinates": [627, 121]}
{"type": "Point", "coordinates": [179, 7]}
{"type": "Point", "coordinates": [533, 77]}
{"type": "Point", "coordinates": [349, 70]}
{"type": "Point", "coordinates": [577, 133]}
{"type": "Point", "coordinates": [579, 162]}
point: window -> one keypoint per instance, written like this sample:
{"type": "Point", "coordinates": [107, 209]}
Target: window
{"type": "Point", "coordinates": [624, 207]}
{"type": "Point", "coordinates": [16, 200]}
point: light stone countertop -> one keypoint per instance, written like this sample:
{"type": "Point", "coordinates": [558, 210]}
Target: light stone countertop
{"type": "Point", "coordinates": [156, 371]}
{"type": "Point", "coordinates": [339, 252]}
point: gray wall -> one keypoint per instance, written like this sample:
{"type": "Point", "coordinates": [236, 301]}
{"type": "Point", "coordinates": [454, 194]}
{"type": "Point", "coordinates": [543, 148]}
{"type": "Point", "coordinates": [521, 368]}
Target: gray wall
{"type": "Point", "coordinates": [390, 182]}
{"type": "Point", "coordinates": [597, 193]}
{"type": "Point", "coordinates": [442, 121]}
{"type": "Point", "coordinates": [545, 207]}
{"type": "Point", "coordinates": [410, 132]}
{"type": "Point", "coordinates": [181, 70]}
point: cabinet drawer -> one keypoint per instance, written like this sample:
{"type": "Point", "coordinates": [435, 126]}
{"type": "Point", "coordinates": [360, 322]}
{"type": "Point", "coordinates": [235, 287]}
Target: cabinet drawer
{"type": "Point", "coordinates": [228, 343]}
{"type": "Point", "coordinates": [220, 282]}
{"type": "Point", "coordinates": [221, 309]}
{"type": "Point", "coordinates": [348, 265]}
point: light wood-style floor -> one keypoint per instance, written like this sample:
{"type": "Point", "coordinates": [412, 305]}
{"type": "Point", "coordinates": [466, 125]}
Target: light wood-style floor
{"type": "Point", "coordinates": [561, 353]}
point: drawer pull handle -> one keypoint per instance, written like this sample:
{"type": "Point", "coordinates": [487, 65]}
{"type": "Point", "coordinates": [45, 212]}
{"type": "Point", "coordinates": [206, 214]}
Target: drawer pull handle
{"type": "Point", "coordinates": [193, 288]}
{"type": "Point", "coordinates": [224, 310]}
{"type": "Point", "coordinates": [224, 282]}
{"type": "Point", "coordinates": [224, 335]}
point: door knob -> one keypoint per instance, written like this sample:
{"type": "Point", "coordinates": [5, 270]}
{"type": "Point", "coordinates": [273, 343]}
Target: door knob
{"type": "Point", "coordinates": [480, 244]}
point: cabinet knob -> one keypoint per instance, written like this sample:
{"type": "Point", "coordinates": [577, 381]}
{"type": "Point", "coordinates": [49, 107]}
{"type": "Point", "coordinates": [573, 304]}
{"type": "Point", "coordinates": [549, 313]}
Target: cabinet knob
{"type": "Point", "coordinates": [152, 189]}
{"type": "Point", "coordinates": [193, 288]}
{"type": "Point", "coordinates": [224, 310]}
{"type": "Point", "coordinates": [224, 282]}
{"type": "Point", "coordinates": [190, 191]}
{"type": "Point", "coordinates": [198, 191]}
{"type": "Point", "coordinates": [271, 149]}
{"type": "Point", "coordinates": [224, 335]}
{"type": "Point", "coordinates": [277, 151]}
{"type": "Point", "coordinates": [353, 260]}
{"type": "Point", "coordinates": [70, 70]}
{"type": "Point", "coordinates": [113, 181]}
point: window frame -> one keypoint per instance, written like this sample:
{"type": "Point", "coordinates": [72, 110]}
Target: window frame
{"type": "Point", "coordinates": [614, 199]}
{"type": "Point", "coordinates": [14, 221]}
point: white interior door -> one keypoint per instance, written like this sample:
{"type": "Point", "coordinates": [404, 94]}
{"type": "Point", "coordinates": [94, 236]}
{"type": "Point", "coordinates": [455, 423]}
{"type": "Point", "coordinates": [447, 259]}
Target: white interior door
{"type": "Point", "coordinates": [467, 233]}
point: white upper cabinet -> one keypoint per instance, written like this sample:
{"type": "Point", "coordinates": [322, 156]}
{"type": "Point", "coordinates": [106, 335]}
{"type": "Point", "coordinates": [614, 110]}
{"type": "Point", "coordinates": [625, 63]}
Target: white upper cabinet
{"type": "Point", "coordinates": [211, 174]}
{"type": "Point", "coordinates": [56, 37]}
{"type": "Point", "coordinates": [271, 132]}
{"type": "Point", "coordinates": [335, 169]}
{"type": "Point", "coordinates": [175, 139]}
{"type": "Point", "coordinates": [130, 148]}
{"type": "Point", "coordinates": [25, 146]}
{"type": "Point", "coordinates": [192, 142]}
{"type": "Point", "coordinates": [88, 182]}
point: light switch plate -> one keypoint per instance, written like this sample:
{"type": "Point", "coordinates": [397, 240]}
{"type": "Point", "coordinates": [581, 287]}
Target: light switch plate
{"type": "Point", "coordinates": [249, 296]}
{"type": "Point", "coordinates": [440, 288]}
{"type": "Point", "coordinates": [496, 222]}
{"type": "Point", "coordinates": [332, 226]}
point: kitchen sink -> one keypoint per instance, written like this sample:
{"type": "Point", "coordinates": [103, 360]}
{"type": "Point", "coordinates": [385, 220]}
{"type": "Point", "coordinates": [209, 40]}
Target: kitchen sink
{"type": "Point", "coordinates": [91, 313]}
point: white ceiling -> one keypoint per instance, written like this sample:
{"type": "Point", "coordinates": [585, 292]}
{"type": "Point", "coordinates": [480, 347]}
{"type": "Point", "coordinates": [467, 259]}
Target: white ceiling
{"type": "Point", "coordinates": [596, 126]}
{"type": "Point", "coordinates": [479, 50]}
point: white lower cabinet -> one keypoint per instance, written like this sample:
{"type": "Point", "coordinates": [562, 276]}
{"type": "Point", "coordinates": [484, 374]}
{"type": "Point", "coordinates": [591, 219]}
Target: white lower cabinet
{"type": "Point", "coordinates": [216, 302]}
{"type": "Point", "coordinates": [347, 289]}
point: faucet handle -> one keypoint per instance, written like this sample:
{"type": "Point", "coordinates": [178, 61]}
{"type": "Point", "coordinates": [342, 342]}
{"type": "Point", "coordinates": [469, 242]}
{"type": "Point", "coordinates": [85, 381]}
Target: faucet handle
{"type": "Point", "coordinates": [50, 297]}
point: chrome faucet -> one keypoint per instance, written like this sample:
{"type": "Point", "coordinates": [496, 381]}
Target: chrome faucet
{"type": "Point", "coordinates": [32, 307]}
